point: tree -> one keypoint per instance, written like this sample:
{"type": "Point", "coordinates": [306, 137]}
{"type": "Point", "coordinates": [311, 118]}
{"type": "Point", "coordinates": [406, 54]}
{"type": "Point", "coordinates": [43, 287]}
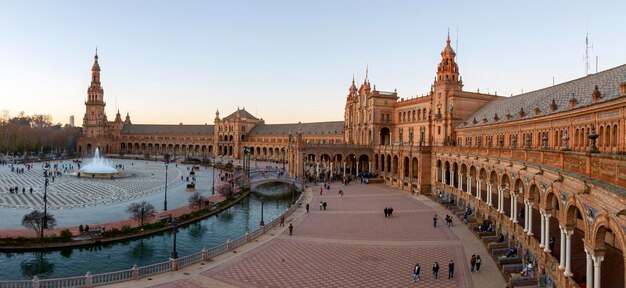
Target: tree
{"type": "Point", "coordinates": [34, 220]}
{"type": "Point", "coordinates": [141, 211]}
{"type": "Point", "coordinates": [225, 189]}
{"type": "Point", "coordinates": [196, 201]}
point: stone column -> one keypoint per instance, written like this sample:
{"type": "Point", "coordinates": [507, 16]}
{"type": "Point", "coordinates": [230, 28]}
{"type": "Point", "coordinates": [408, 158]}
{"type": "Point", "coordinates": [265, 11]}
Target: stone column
{"type": "Point", "coordinates": [543, 227]}
{"type": "Point", "coordinates": [513, 208]}
{"type": "Point", "coordinates": [525, 216]}
{"type": "Point", "coordinates": [369, 167]}
{"type": "Point", "coordinates": [488, 193]}
{"type": "Point", "coordinates": [589, 272]}
{"type": "Point", "coordinates": [568, 253]}
{"type": "Point", "coordinates": [460, 178]}
{"type": "Point", "coordinates": [597, 273]}
{"type": "Point", "coordinates": [562, 260]}
{"type": "Point", "coordinates": [344, 169]}
{"type": "Point", "coordinates": [499, 204]}
{"type": "Point", "coordinates": [546, 241]}
{"type": "Point", "coordinates": [317, 169]}
{"type": "Point", "coordinates": [469, 184]}
{"type": "Point", "coordinates": [530, 218]}
{"type": "Point", "coordinates": [357, 168]}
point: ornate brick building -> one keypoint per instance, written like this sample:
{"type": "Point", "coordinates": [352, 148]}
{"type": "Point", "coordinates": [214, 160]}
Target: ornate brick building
{"type": "Point", "coordinates": [544, 166]}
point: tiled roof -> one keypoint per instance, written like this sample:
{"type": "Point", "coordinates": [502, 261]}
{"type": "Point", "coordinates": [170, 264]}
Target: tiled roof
{"type": "Point", "coordinates": [167, 129]}
{"type": "Point", "coordinates": [318, 128]}
{"type": "Point", "coordinates": [542, 102]}
{"type": "Point", "coordinates": [243, 114]}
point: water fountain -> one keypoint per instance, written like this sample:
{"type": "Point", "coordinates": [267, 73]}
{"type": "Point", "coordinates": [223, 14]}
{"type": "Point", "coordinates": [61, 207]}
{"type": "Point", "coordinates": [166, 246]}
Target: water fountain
{"type": "Point", "coordinates": [98, 168]}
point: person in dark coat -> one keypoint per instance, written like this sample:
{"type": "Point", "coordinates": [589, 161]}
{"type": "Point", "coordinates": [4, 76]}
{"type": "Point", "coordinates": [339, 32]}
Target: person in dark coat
{"type": "Point", "coordinates": [416, 272]}
{"type": "Point", "coordinates": [436, 269]}
{"type": "Point", "coordinates": [451, 269]}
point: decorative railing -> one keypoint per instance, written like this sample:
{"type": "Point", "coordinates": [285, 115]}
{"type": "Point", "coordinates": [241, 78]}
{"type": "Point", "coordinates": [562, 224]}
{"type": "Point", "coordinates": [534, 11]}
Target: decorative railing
{"type": "Point", "coordinates": [137, 273]}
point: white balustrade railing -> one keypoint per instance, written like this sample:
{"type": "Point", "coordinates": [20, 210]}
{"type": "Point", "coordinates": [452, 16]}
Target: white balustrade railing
{"type": "Point", "coordinates": [71, 282]}
{"type": "Point", "coordinates": [16, 284]}
{"type": "Point", "coordinates": [145, 271]}
{"type": "Point", "coordinates": [189, 259]}
{"type": "Point", "coordinates": [153, 269]}
{"type": "Point", "coordinates": [113, 277]}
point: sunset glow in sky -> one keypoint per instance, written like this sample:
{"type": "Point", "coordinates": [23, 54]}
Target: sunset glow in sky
{"type": "Point", "coordinates": [285, 61]}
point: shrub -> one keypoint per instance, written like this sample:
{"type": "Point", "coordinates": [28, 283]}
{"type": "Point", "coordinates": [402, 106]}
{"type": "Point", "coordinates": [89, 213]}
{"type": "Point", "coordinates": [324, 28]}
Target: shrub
{"type": "Point", "coordinates": [66, 235]}
{"type": "Point", "coordinates": [126, 229]}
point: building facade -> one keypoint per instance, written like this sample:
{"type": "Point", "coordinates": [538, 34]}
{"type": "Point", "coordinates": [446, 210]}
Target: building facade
{"type": "Point", "coordinates": [544, 166]}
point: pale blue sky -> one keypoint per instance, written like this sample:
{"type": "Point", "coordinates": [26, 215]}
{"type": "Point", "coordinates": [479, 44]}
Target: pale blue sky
{"type": "Point", "coordinates": [286, 61]}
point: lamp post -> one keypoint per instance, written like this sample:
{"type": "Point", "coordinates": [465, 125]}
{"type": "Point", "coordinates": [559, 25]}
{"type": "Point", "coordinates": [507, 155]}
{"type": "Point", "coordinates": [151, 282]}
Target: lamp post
{"type": "Point", "coordinates": [175, 227]}
{"type": "Point", "coordinates": [213, 184]}
{"type": "Point", "coordinates": [44, 224]}
{"type": "Point", "coordinates": [167, 160]}
{"type": "Point", "coordinates": [262, 222]}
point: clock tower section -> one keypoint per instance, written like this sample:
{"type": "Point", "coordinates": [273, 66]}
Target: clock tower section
{"type": "Point", "coordinates": [447, 84]}
{"type": "Point", "coordinates": [95, 119]}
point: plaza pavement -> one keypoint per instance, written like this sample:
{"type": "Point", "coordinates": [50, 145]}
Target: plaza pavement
{"type": "Point", "coordinates": [351, 244]}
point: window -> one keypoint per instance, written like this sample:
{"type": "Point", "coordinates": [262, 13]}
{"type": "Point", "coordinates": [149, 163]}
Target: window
{"type": "Point", "coordinates": [439, 130]}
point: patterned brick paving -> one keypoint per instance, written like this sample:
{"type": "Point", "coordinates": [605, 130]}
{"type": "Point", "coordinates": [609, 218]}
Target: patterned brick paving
{"type": "Point", "coordinates": [286, 263]}
{"type": "Point", "coordinates": [351, 244]}
{"type": "Point", "coordinates": [405, 225]}
{"type": "Point", "coordinates": [177, 284]}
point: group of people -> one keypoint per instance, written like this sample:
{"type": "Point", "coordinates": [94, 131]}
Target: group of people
{"type": "Point", "coordinates": [388, 212]}
{"type": "Point", "coordinates": [475, 263]}
{"type": "Point", "coordinates": [85, 229]}
{"type": "Point", "coordinates": [323, 205]}
{"type": "Point", "coordinates": [417, 269]}
{"type": "Point", "coordinates": [487, 226]}
{"type": "Point", "coordinates": [17, 190]}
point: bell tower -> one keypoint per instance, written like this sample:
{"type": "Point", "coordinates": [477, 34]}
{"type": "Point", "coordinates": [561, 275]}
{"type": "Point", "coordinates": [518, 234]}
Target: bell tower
{"type": "Point", "coordinates": [95, 119]}
{"type": "Point", "coordinates": [447, 83]}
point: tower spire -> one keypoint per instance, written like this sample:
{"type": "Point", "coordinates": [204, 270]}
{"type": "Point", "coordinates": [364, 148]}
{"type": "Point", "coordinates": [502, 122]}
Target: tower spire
{"type": "Point", "coordinates": [367, 68]}
{"type": "Point", "coordinates": [448, 41]}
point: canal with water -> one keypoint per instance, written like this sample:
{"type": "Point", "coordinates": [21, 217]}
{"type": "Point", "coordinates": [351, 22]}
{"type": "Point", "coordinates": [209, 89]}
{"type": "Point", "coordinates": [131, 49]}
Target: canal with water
{"type": "Point", "coordinates": [212, 231]}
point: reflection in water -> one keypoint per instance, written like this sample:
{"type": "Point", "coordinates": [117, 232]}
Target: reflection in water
{"type": "Point", "coordinates": [140, 250]}
{"type": "Point", "coordinates": [209, 232]}
{"type": "Point", "coordinates": [66, 252]}
{"type": "Point", "coordinates": [197, 230]}
{"type": "Point", "coordinates": [37, 265]}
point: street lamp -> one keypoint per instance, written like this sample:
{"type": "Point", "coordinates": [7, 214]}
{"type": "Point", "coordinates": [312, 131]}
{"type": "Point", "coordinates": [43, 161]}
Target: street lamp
{"type": "Point", "coordinates": [213, 184]}
{"type": "Point", "coordinates": [262, 222]}
{"type": "Point", "coordinates": [175, 227]}
{"type": "Point", "coordinates": [167, 160]}
{"type": "Point", "coordinates": [44, 225]}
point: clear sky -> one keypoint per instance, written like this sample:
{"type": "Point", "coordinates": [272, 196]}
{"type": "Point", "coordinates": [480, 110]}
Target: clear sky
{"type": "Point", "coordinates": [285, 61]}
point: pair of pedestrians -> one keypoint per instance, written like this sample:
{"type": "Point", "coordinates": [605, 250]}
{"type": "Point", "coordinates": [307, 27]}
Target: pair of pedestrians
{"type": "Point", "coordinates": [417, 268]}
{"type": "Point", "coordinates": [475, 263]}
{"type": "Point", "coordinates": [388, 212]}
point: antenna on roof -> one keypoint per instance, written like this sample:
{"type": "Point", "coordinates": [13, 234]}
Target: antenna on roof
{"type": "Point", "coordinates": [587, 46]}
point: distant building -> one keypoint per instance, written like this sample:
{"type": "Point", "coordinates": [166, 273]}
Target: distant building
{"type": "Point", "coordinates": [546, 168]}
{"type": "Point", "coordinates": [72, 120]}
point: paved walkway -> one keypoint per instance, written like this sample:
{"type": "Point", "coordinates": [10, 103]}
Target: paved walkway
{"type": "Point", "coordinates": [350, 244]}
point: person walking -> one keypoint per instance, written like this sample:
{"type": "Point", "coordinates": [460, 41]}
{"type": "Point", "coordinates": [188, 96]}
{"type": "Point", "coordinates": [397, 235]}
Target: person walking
{"type": "Point", "coordinates": [290, 229]}
{"type": "Point", "coordinates": [324, 204]}
{"type": "Point", "coordinates": [416, 272]}
{"type": "Point", "coordinates": [451, 269]}
{"type": "Point", "coordinates": [478, 263]}
{"type": "Point", "coordinates": [307, 207]}
{"type": "Point", "coordinates": [390, 212]}
{"type": "Point", "coordinates": [386, 212]}
{"type": "Point", "coordinates": [282, 222]}
{"type": "Point", "coordinates": [473, 263]}
{"type": "Point", "coordinates": [320, 205]}
{"type": "Point", "coordinates": [436, 269]}
{"type": "Point", "coordinates": [435, 221]}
